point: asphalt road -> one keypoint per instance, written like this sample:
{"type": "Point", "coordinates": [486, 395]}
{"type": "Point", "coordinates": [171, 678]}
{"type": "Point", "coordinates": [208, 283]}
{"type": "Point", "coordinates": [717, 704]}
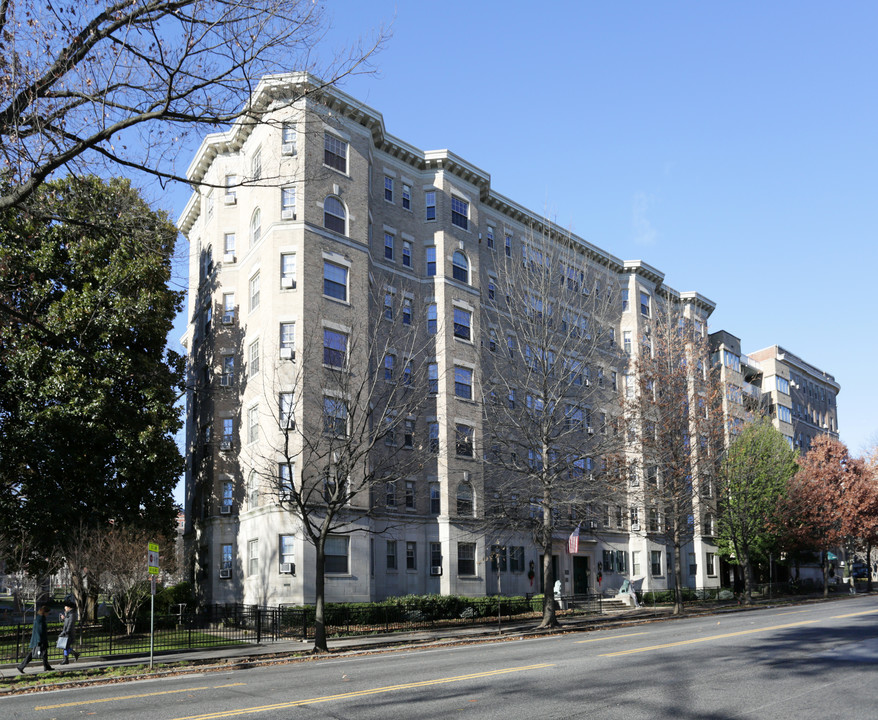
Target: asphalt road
{"type": "Point", "coordinates": [812, 661]}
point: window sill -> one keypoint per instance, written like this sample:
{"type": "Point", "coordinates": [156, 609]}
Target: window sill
{"type": "Point", "coordinates": [337, 171]}
{"type": "Point", "coordinates": [336, 300]}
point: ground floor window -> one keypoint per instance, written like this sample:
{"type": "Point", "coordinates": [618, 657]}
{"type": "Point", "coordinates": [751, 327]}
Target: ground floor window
{"type": "Point", "coordinates": [336, 553]}
{"type": "Point", "coordinates": [466, 558]}
{"type": "Point", "coordinates": [655, 561]}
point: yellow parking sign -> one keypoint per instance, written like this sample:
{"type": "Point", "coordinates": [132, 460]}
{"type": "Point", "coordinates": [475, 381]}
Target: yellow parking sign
{"type": "Point", "coordinates": [153, 559]}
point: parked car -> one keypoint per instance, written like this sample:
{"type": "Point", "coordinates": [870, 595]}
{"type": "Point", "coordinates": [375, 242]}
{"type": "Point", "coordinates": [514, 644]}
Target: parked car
{"type": "Point", "coordinates": [859, 570]}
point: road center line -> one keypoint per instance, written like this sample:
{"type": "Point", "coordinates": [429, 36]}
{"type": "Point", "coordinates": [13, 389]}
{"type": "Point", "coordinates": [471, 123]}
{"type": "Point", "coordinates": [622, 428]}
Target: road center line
{"type": "Point", "coordinates": [707, 639]}
{"type": "Point", "coordinates": [862, 612]}
{"type": "Point", "coordinates": [363, 693]}
{"type": "Point", "coordinates": [119, 697]}
{"type": "Point", "coordinates": [613, 637]}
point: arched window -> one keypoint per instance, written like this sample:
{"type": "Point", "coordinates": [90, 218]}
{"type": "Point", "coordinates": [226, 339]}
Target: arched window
{"type": "Point", "coordinates": [255, 226]}
{"type": "Point", "coordinates": [460, 267]}
{"type": "Point", "coordinates": [465, 504]}
{"type": "Point", "coordinates": [252, 489]}
{"type": "Point", "coordinates": [334, 215]}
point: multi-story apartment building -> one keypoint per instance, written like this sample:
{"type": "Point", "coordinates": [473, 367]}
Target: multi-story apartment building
{"type": "Point", "coordinates": [311, 230]}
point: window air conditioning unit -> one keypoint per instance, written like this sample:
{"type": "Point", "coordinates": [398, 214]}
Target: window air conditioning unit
{"type": "Point", "coordinates": [288, 214]}
{"type": "Point", "coordinates": [635, 527]}
{"type": "Point", "coordinates": [225, 509]}
{"type": "Point", "coordinates": [229, 258]}
{"type": "Point", "coordinates": [225, 573]}
{"type": "Point", "coordinates": [590, 430]}
{"type": "Point", "coordinates": [288, 568]}
{"type": "Point", "coordinates": [226, 381]}
{"type": "Point", "coordinates": [287, 281]}
{"type": "Point", "coordinates": [288, 149]}
{"type": "Point", "coordinates": [287, 353]}
{"type": "Point", "coordinates": [230, 198]}
{"type": "Point", "coordinates": [435, 570]}
{"type": "Point", "coordinates": [228, 318]}
{"type": "Point", "coordinates": [226, 445]}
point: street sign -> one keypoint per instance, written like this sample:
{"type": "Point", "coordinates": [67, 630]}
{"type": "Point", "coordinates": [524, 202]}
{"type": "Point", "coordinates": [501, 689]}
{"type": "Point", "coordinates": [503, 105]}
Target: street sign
{"type": "Point", "coordinates": [153, 559]}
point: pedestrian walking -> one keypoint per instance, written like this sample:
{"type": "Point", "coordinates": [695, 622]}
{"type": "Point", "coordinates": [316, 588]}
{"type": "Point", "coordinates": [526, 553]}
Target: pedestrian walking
{"type": "Point", "coordinates": [67, 638]}
{"type": "Point", "coordinates": [39, 641]}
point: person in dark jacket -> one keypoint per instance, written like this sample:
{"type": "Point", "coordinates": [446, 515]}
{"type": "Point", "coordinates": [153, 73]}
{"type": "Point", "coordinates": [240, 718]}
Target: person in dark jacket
{"type": "Point", "coordinates": [68, 631]}
{"type": "Point", "coordinates": [39, 638]}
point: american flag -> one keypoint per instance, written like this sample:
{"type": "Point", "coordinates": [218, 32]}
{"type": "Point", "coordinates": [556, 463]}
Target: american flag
{"type": "Point", "coordinates": [573, 541]}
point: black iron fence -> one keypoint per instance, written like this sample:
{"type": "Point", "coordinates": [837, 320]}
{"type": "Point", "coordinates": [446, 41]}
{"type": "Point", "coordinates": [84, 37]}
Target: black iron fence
{"type": "Point", "coordinates": [230, 624]}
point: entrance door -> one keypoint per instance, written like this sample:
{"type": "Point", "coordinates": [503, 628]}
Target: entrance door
{"type": "Point", "coordinates": [581, 575]}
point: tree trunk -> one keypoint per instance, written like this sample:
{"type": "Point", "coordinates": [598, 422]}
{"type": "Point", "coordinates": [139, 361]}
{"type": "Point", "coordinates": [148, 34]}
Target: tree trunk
{"type": "Point", "coordinates": [868, 567]}
{"type": "Point", "coordinates": [824, 566]}
{"type": "Point", "coordinates": [678, 574]}
{"type": "Point", "coordinates": [549, 617]}
{"type": "Point", "coordinates": [320, 600]}
{"type": "Point", "coordinates": [747, 569]}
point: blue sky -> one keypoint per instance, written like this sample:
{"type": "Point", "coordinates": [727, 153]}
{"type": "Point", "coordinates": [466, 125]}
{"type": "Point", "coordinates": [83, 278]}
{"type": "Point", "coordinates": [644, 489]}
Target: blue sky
{"type": "Point", "coordinates": [732, 146]}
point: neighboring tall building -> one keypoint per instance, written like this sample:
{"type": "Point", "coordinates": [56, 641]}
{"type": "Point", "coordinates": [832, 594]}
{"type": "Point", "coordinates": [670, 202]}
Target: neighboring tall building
{"type": "Point", "coordinates": [308, 229]}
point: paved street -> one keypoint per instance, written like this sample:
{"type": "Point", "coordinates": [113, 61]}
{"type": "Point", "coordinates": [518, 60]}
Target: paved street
{"type": "Point", "coordinates": [815, 660]}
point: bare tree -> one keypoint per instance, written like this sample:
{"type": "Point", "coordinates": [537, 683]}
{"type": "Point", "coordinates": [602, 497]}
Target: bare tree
{"type": "Point", "coordinates": [28, 568]}
{"type": "Point", "coordinates": [549, 407]}
{"type": "Point", "coordinates": [124, 576]}
{"type": "Point", "coordinates": [347, 407]}
{"type": "Point", "coordinates": [675, 426]}
{"type": "Point", "coordinates": [122, 82]}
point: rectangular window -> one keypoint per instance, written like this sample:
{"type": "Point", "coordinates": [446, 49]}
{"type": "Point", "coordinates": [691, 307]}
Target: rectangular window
{"type": "Point", "coordinates": [391, 554]}
{"type": "Point", "coordinates": [433, 436]}
{"type": "Point", "coordinates": [655, 562]}
{"type": "Point", "coordinates": [459, 212]}
{"type": "Point", "coordinates": [432, 319]}
{"type": "Point", "coordinates": [430, 254]}
{"type": "Point", "coordinates": [388, 246]}
{"type": "Point", "coordinates": [624, 293]}
{"type": "Point", "coordinates": [407, 312]}
{"type": "Point", "coordinates": [253, 424]}
{"type": "Point", "coordinates": [335, 348]}
{"type": "Point", "coordinates": [463, 383]}
{"type": "Point", "coordinates": [693, 566]}
{"type": "Point", "coordinates": [285, 410]}
{"type": "Point", "coordinates": [516, 559]}
{"type": "Point", "coordinates": [409, 494]}
{"type": "Point", "coordinates": [435, 556]}
{"type": "Point", "coordinates": [228, 430]}
{"type": "Point", "coordinates": [408, 436]}
{"type": "Point", "coordinates": [288, 137]}
{"type": "Point", "coordinates": [253, 355]}
{"type": "Point", "coordinates": [254, 292]}
{"type": "Point", "coordinates": [336, 553]}
{"type": "Point", "coordinates": [388, 306]}
{"type": "Point", "coordinates": [256, 165]}
{"type": "Point", "coordinates": [435, 499]}
{"type": "Point", "coordinates": [710, 563]}
{"type": "Point", "coordinates": [433, 378]}
{"type": "Point", "coordinates": [389, 365]}
{"type": "Point", "coordinates": [228, 489]}
{"type": "Point", "coordinates": [335, 281]}
{"type": "Point", "coordinates": [463, 440]}
{"type": "Point", "coordinates": [411, 556]}
{"type": "Point", "coordinates": [252, 557]}
{"type": "Point", "coordinates": [285, 481]}
{"type": "Point", "coordinates": [286, 546]}
{"type": "Point", "coordinates": [462, 323]}
{"type": "Point", "coordinates": [626, 341]}
{"type": "Point", "coordinates": [228, 308]}
{"type": "Point", "coordinates": [644, 304]}
{"type": "Point", "coordinates": [489, 237]}
{"type": "Point", "coordinates": [390, 493]}
{"type": "Point", "coordinates": [783, 414]}
{"type": "Point", "coordinates": [229, 243]}
{"type": "Point", "coordinates": [335, 416]}
{"type": "Point", "coordinates": [388, 189]}
{"type": "Point", "coordinates": [335, 153]}
{"type": "Point", "coordinates": [231, 193]}
{"type": "Point", "coordinates": [288, 203]}
{"type": "Point", "coordinates": [226, 556]}
{"type": "Point", "coordinates": [430, 203]}
{"type": "Point", "coordinates": [635, 563]}
{"type": "Point", "coordinates": [287, 338]}
{"type": "Point", "coordinates": [466, 558]}
{"type": "Point", "coordinates": [507, 244]}
{"type": "Point", "coordinates": [406, 197]}
{"type": "Point", "coordinates": [406, 254]}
